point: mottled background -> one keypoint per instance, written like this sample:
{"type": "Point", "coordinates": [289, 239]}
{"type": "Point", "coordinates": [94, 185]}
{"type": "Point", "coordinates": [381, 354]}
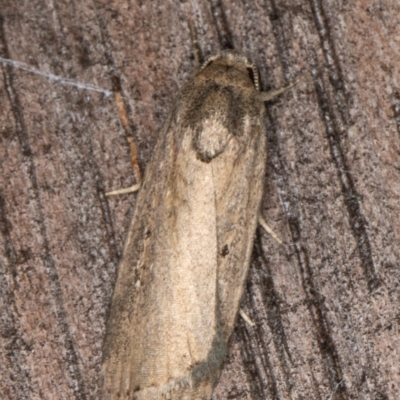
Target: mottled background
{"type": "Point", "coordinates": [326, 305]}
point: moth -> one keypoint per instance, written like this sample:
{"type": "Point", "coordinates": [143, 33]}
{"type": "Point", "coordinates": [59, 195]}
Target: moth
{"type": "Point", "coordinates": [188, 250]}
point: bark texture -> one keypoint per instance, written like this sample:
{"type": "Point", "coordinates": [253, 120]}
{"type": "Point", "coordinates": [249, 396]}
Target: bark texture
{"type": "Point", "coordinates": [326, 305]}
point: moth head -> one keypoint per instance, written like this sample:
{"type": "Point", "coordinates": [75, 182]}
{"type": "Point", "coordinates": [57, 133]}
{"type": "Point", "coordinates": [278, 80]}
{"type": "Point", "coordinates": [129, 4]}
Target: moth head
{"type": "Point", "coordinates": [231, 58]}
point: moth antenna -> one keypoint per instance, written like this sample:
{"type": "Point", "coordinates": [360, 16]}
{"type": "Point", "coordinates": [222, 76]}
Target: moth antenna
{"type": "Point", "coordinates": [197, 53]}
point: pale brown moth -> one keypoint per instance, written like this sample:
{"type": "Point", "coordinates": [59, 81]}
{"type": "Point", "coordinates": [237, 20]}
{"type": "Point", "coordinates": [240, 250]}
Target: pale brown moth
{"type": "Point", "coordinates": [187, 254]}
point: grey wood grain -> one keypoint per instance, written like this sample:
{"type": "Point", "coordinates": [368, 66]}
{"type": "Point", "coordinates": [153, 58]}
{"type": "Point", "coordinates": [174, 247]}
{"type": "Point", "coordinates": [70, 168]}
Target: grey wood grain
{"type": "Point", "coordinates": [325, 304]}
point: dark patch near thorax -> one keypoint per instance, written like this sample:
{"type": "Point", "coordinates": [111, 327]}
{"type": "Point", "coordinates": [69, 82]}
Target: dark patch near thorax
{"type": "Point", "coordinates": [227, 104]}
{"type": "Point", "coordinates": [213, 100]}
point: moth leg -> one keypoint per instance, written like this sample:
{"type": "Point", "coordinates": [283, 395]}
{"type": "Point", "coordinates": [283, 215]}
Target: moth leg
{"type": "Point", "coordinates": [267, 96]}
{"type": "Point", "coordinates": [246, 317]}
{"type": "Point", "coordinates": [123, 117]}
{"type": "Point", "coordinates": [130, 189]}
{"type": "Point", "coordinates": [262, 222]}
{"type": "Point", "coordinates": [136, 170]}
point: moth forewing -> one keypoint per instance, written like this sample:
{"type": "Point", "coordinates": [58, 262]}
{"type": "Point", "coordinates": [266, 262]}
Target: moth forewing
{"type": "Point", "coordinates": [186, 258]}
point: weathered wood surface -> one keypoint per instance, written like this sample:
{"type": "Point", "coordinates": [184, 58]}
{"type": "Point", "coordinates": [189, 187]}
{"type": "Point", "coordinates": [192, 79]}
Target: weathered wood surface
{"type": "Point", "coordinates": [326, 305]}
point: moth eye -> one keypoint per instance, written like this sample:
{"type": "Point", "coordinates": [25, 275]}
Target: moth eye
{"type": "Point", "coordinates": [147, 234]}
{"type": "Point", "coordinates": [250, 72]}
